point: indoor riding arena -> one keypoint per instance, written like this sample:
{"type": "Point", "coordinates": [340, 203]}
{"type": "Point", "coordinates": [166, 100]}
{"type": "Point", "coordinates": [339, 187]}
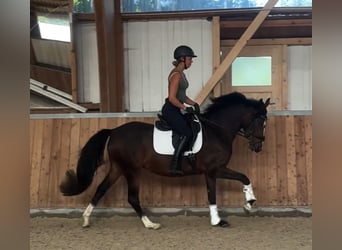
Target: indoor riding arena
{"type": "Point", "coordinates": [109, 67]}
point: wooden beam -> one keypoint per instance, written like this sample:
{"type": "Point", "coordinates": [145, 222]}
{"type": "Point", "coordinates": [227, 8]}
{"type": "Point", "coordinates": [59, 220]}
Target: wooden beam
{"type": "Point", "coordinates": [272, 41]}
{"type": "Point", "coordinates": [216, 50]}
{"type": "Point", "coordinates": [110, 54]}
{"type": "Point", "coordinates": [74, 78]}
{"type": "Point", "coordinates": [267, 23]}
{"type": "Point", "coordinates": [284, 78]}
{"type": "Point", "coordinates": [57, 98]}
{"type": "Point", "coordinates": [51, 89]}
{"type": "Point", "coordinates": [73, 55]}
{"type": "Point", "coordinates": [235, 51]}
{"type": "Point", "coordinates": [33, 59]}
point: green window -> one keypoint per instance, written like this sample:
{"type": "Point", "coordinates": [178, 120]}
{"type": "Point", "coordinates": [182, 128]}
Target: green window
{"type": "Point", "coordinates": [252, 71]}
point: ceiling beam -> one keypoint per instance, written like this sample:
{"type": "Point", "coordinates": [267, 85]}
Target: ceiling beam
{"type": "Point", "coordinates": [56, 97]}
{"type": "Point", "coordinates": [271, 41]}
{"type": "Point", "coordinates": [266, 23]}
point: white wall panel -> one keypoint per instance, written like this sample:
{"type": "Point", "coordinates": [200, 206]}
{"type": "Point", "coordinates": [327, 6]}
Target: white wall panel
{"type": "Point", "coordinates": [87, 63]}
{"type": "Point", "coordinates": [299, 78]}
{"type": "Point", "coordinates": [149, 50]}
{"type": "Point", "coordinates": [133, 73]}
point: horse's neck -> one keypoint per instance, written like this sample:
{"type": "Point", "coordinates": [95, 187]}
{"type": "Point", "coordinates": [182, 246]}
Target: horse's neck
{"type": "Point", "coordinates": [231, 123]}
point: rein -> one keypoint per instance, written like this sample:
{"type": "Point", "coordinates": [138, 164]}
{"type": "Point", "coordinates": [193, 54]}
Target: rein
{"type": "Point", "coordinates": [242, 132]}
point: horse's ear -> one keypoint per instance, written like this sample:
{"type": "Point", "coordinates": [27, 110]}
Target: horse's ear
{"type": "Point", "coordinates": [267, 102]}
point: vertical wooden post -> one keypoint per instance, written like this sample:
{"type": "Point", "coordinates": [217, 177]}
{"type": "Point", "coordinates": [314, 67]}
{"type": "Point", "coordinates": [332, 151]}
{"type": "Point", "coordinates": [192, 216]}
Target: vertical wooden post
{"type": "Point", "coordinates": [284, 80]}
{"type": "Point", "coordinates": [110, 52]}
{"type": "Point", "coordinates": [216, 50]}
{"type": "Point", "coordinates": [73, 57]}
{"type": "Point", "coordinates": [34, 33]}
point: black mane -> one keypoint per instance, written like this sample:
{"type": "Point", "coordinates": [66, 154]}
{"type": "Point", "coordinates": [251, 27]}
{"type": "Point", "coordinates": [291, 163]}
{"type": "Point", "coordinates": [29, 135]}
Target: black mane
{"type": "Point", "coordinates": [234, 98]}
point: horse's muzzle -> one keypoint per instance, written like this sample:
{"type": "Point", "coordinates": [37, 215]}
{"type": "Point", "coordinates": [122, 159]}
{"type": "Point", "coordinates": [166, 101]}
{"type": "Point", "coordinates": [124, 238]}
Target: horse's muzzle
{"type": "Point", "coordinates": [256, 146]}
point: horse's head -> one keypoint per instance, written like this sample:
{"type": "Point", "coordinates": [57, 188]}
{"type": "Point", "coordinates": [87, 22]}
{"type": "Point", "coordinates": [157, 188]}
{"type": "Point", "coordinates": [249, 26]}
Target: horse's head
{"type": "Point", "coordinates": [254, 124]}
{"type": "Point", "coordinates": [238, 114]}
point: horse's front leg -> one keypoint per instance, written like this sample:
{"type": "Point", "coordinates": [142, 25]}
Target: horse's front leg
{"type": "Point", "coordinates": [249, 195]}
{"type": "Point", "coordinates": [227, 173]}
{"type": "Point", "coordinates": [215, 219]}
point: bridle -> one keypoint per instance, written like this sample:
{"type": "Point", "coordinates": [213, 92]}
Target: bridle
{"type": "Point", "coordinates": [244, 132]}
{"type": "Point", "coordinates": [248, 131]}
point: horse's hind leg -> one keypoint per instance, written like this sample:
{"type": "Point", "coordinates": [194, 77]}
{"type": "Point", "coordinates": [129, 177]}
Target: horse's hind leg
{"type": "Point", "coordinates": [133, 200]}
{"type": "Point", "coordinates": [107, 182]}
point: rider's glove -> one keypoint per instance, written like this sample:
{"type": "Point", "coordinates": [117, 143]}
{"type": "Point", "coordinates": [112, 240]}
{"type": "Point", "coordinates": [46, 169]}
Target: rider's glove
{"type": "Point", "coordinates": [197, 109]}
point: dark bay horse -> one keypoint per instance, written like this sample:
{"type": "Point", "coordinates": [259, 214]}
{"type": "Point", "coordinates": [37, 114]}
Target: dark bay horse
{"type": "Point", "coordinates": [226, 117]}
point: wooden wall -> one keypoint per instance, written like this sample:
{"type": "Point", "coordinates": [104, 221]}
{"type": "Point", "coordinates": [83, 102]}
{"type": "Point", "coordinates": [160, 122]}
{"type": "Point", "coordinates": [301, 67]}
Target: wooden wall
{"type": "Point", "coordinates": [281, 174]}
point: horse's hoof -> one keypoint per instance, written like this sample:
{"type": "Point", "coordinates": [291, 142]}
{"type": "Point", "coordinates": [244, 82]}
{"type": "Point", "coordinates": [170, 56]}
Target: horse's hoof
{"type": "Point", "coordinates": [156, 226]}
{"type": "Point", "coordinates": [85, 225]}
{"type": "Point", "coordinates": [248, 206]}
{"type": "Point", "coordinates": [149, 224]}
{"type": "Point", "coordinates": [246, 209]}
{"type": "Point", "coordinates": [251, 202]}
{"type": "Point", "coordinates": [86, 222]}
{"type": "Point", "coordinates": [222, 223]}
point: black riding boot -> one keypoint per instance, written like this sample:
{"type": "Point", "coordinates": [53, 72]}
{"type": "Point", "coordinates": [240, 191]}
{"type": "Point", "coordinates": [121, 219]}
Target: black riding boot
{"type": "Point", "coordinates": [176, 162]}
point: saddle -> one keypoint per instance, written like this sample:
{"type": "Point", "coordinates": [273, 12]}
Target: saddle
{"type": "Point", "coordinates": [193, 122]}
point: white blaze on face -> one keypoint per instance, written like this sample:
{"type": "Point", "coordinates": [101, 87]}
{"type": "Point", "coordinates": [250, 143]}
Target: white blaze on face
{"type": "Point", "coordinates": [263, 132]}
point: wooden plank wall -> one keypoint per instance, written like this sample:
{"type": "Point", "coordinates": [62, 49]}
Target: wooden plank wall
{"type": "Point", "coordinates": [281, 174]}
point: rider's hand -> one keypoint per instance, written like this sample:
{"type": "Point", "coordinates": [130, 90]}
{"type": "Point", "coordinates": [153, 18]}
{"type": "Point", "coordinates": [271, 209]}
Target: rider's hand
{"type": "Point", "coordinates": [197, 109]}
{"type": "Point", "coordinates": [190, 110]}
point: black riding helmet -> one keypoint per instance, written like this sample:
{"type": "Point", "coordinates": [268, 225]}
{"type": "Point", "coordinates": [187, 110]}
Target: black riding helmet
{"type": "Point", "coordinates": [182, 51]}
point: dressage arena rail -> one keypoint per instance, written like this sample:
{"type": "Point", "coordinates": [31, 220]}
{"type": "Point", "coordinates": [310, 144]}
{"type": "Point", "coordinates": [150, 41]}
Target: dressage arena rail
{"type": "Point", "coordinates": [281, 174]}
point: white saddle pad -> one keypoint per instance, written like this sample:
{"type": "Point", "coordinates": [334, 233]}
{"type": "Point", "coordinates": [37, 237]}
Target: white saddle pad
{"type": "Point", "coordinates": [162, 142]}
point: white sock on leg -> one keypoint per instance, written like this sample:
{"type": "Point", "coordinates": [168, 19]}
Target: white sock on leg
{"type": "Point", "coordinates": [214, 217]}
{"type": "Point", "coordinates": [248, 190]}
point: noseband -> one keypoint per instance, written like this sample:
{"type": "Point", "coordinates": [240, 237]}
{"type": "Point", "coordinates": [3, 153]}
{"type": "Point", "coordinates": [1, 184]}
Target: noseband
{"type": "Point", "coordinates": [248, 132]}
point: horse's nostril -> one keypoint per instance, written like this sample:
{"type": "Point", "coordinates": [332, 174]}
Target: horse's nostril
{"type": "Point", "coordinates": [256, 147]}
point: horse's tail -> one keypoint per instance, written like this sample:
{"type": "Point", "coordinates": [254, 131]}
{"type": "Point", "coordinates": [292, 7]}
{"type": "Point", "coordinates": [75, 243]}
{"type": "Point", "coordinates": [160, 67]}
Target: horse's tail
{"type": "Point", "coordinates": [90, 159]}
